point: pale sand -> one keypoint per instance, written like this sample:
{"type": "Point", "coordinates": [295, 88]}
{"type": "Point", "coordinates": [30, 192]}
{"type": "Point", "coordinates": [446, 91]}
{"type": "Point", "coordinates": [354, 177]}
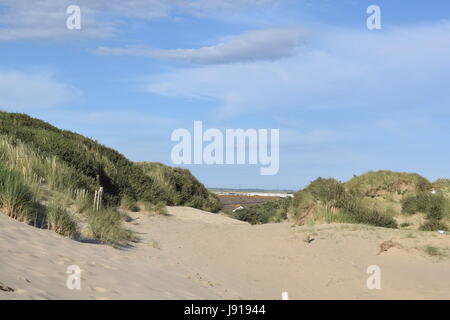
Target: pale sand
{"type": "Point", "coordinates": [198, 255]}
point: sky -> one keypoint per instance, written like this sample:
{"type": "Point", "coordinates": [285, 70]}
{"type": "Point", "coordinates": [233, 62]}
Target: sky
{"type": "Point", "coordinates": [346, 99]}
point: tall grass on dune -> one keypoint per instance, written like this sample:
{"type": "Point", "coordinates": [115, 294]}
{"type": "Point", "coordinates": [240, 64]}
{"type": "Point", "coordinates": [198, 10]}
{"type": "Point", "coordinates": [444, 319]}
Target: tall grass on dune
{"type": "Point", "coordinates": [38, 169]}
{"type": "Point", "coordinates": [105, 225]}
{"type": "Point", "coordinates": [160, 208]}
{"type": "Point", "coordinates": [62, 222]}
{"type": "Point", "coordinates": [180, 187]}
{"type": "Point", "coordinates": [83, 200]}
{"type": "Point", "coordinates": [128, 203]}
{"type": "Point", "coordinates": [67, 161]}
{"type": "Point", "coordinates": [16, 198]}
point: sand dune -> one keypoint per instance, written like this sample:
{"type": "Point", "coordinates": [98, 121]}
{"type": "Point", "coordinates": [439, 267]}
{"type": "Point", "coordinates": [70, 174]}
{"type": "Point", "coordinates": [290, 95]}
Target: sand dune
{"type": "Point", "coordinates": [193, 254]}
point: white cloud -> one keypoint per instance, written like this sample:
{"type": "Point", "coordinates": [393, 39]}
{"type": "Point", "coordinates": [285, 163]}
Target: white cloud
{"type": "Point", "coordinates": [20, 91]}
{"type": "Point", "coordinates": [46, 19]}
{"type": "Point", "coordinates": [405, 67]}
{"type": "Point", "coordinates": [248, 46]}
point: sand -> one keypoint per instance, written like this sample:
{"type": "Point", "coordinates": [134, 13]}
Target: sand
{"type": "Point", "coordinates": [193, 254]}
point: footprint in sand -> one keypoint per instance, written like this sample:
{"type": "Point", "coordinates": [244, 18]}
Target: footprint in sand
{"type": "Point", "coordinates": [99, 289]}
{"type": "Point", "coordinates": [6, 288]}
{"type": "Point", "coordinates": [63, 260]}
{"type": "Point", "coordinates": [23, 279]}
{"type": "Point", "coordinates": [108, 267]}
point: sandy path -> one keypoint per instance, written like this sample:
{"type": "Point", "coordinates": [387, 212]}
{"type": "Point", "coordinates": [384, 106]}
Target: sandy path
{"type": "Point", "coordinates": [193, 254]}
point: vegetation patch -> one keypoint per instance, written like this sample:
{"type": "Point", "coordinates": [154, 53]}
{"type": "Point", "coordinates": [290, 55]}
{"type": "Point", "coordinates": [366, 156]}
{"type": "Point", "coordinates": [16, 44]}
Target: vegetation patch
{"type": "Point", "coordinates": [273, 211]}
{"type": "Point", "coordinates": [330, 199]}
{"type": "Point", "coordinates": [16, 198]}
{"type": "Point", "coordinates": [106, 226]}
{"type": "Point", "coordinates": [66, 161]}
{"type": "Point", "coordinates": [62, 222]}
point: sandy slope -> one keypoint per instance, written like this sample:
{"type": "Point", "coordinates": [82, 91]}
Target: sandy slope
{"type": "Point", "coordinates": [193, 254]}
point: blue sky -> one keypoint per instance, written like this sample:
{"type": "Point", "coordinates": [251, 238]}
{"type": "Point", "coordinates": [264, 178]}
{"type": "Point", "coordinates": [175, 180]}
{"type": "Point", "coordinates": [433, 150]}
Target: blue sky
{"type": "Point", "coordinates": [346, 99]}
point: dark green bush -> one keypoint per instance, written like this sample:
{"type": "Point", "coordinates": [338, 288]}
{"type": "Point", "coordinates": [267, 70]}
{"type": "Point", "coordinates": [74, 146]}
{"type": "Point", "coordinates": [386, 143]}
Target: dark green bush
{"type": "Point", "coordinates": [355, 212]}
{"type": "Point", "coordinates": [433, 225]}
{"type": "Point", "coordinates": [435, 206]}
{"type": "Point", "coordinates": [409, 205]}
{"type": "Point", "coordinates": [326, 190]}
{"type": "Point", "coordinates": [438, 207]}
{"type": "Point", "coordinates": [272, 211]}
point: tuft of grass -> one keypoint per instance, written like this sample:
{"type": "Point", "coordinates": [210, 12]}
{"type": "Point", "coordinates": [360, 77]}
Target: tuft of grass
{"type": "Point", "coordinates": [435, 252]}
{"type": "Point", "coordinates": [128, 203]}
{"type": "Point", "coordinates": [106, 226]}
{"type": "Point", "coordinates": [160, 208]}
{"type": "Point", "coordinates": [15, 197]}
{"type": "Point", "coordinates": [62, 222]}
{"type": "Point", "coordinates": [82, 200]}
{"type": "Point", "coordinates": [148, 206]}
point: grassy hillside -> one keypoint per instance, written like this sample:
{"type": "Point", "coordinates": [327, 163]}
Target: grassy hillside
{"type": "Point", "coordinates": [51, 165]}
{"type": "Point", "coordinates": [383, 198]}
{"type": "Point", "coordinates": [180, 187]}
{"type": "Point", "coordinates": [379, 183]}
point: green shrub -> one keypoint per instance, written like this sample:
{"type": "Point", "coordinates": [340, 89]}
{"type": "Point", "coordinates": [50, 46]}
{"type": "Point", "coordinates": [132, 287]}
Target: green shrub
{"type": "Point", "coordinates": [326, 190]}
{"type": "Point", "coordinates": [433, 225]}
{"type": "Point", "coordinates": [356, 212]}
{"type": "Point", "coordinates": [409, 205]}
{"type": "Point", "coordinates": [435, 205]}
{"type": "Point", "coordinates": [372, 183]}
{"type": "Point", "coordinates": [15, 197]}
{"type": "Point", "coordinates": [106, 226]}
{"type": "Point", "coordinates": [272, 211]}
{"type": "Point", "coordinates": [59, 220]}
{"type": "Point", "coordinates": [438, 207]}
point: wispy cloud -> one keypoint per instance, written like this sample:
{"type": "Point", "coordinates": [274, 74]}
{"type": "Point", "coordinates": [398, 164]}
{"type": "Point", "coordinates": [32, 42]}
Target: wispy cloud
{"type": "Point", "coordinates": [249, 46]}
{"type": "Point", "coordinates": [341, 69]}
{"type": "Point", "coordinates": [46, 19]}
